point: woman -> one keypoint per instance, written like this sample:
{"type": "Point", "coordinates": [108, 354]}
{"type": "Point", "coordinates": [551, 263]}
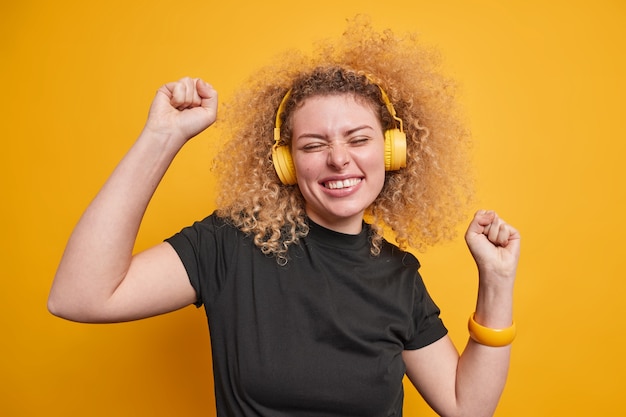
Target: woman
{"type": "Point", "coordinates": [312, 312]}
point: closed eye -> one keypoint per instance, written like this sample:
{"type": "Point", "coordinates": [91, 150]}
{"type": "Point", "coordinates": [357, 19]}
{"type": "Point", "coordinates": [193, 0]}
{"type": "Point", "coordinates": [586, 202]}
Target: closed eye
{"type": "Point", "coordinates": [360, 140]}
{"type": "Point", "coordinates": [314, 146]}
{"type": "Point", "coordinates": [312, 142]}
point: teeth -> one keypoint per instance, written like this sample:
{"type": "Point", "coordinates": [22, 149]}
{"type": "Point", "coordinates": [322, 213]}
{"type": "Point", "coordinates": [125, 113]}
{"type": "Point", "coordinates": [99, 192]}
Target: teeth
{"type": "Point", "coordinates": [334, 185]}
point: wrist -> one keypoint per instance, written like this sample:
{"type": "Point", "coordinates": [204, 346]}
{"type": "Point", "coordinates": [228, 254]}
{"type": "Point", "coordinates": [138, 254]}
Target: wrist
{"type": "Point", "coordinates": [161, 141]}
{"type": "Point", "coordinates": [494, 305]}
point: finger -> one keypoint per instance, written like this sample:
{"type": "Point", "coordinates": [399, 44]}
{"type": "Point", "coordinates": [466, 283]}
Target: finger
{"type": "Point", "coordinates": [207, 94]}
{"type": "Point", "coordinates": [504, 236]}
{"type": "Point", "coordinates": [500, 238]}
{"type": "Point", "coordinates": [512, 236]}
{"type": "Point", "coordinates": [485, 217]}
{"type": "Point", "coordinates": [495, 227]}
{"type": "Point", "coordinates": [191, 98]}
{"type": "Point", "coordinates": [178, 91]}
{"type": "Point", "coordinates": [501, 233]}
{"type": "Point", "coordinates": [487, 229]}
{"type": "Point", "coordinates": [184, 94]}
{"type": "Point", "coordinates": [481, 223]}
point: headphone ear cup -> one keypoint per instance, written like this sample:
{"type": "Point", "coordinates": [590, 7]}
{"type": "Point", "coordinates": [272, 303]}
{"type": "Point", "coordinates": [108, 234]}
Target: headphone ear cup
{"type": "Point", "coordinates": [283, 164]}
{"type": "Point", "coordinates": [395, 149]}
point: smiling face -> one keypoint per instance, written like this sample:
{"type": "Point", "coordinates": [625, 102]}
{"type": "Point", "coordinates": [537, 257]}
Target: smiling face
{"type": "Point", "coordinates": [338, 152]}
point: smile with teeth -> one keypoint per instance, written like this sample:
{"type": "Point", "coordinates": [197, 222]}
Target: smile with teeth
{"type": "Point", "coordinates": [335, 185]}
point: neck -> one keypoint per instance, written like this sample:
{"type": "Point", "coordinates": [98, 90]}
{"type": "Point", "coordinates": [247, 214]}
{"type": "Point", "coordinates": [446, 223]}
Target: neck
{"type": "Point", "coordinates": [348, 226]}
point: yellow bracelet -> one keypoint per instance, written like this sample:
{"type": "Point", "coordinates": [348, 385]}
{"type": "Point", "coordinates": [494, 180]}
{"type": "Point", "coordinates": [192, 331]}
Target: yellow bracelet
{"type": "Point", "coordinates": [490, 337]}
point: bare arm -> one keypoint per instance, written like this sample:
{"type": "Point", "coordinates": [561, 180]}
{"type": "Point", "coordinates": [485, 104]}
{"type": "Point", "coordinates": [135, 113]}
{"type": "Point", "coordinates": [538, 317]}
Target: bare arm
{"type": "Point", "coordinates": [98, 278]}
{"type": "Point", "coordinates": [471, 384]}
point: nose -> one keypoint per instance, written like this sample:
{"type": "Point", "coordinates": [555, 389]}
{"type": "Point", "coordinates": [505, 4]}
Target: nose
{"type": "Point", "coordinates": [338, 156]}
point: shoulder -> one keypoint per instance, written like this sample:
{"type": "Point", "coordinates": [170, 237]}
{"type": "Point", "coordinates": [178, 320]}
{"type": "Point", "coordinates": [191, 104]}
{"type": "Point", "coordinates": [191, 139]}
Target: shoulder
{"type": "Point", "coordinates": [213, 224]}
{"type": "Point", "coordinates": [213, 234]}
{"type": "Point", "coordinates": [391, 252]}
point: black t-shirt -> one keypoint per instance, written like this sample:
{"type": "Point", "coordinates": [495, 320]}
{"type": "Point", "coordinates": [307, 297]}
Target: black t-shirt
{"type": "Point", "coordinates": [320, 336]}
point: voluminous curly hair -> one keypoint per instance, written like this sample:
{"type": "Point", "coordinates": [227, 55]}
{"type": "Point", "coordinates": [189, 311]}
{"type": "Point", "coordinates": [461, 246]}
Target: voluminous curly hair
{"type": "Point", "coordinates": [420, 205]}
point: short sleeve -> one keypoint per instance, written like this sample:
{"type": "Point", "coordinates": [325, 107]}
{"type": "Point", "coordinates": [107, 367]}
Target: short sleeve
{"type": "Point", "coordinates": [204, 251]}
{"type": "Point", "coordinates": [427, 324]}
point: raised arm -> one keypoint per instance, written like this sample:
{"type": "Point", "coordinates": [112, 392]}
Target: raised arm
{"type": "Point", "coordinates": [98, 278]}
{"type": "Point", "coordinates": [471, 384]}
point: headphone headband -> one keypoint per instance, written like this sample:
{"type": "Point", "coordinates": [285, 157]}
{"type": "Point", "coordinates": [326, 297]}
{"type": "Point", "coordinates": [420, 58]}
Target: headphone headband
{"type": "Point", "coordinates": [281, 108]}
{"type": "Point", "coordinates": [395, 142]}
{"type": "Point", "coordinates": [390, 108]}
{"type": "Point", "coordinates": [279, 113]}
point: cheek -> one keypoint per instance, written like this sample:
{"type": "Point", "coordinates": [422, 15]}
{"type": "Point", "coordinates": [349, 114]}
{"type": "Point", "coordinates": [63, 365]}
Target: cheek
{"type": "Point", "coordinates": [307, 165]}
{"type": "Point", "coordinates": [377, 170]}
{"type": "Point", "coordinates": [380, 179]}
{"type": "Point", "coordinates": [375, 161]}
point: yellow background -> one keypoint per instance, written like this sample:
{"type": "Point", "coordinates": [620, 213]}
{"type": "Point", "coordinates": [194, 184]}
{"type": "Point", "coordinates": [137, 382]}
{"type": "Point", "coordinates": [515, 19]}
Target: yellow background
{"type": "Point", "coordinates": [543, 87]}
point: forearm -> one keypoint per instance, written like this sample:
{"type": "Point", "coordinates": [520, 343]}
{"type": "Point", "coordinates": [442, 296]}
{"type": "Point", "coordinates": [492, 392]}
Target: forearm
{"type": "Point", "coordinates": [471, 385]}
{"type": "Point", "coordinates": [482, 370]}
{"type": "Point", "coordinates": [99, 251]}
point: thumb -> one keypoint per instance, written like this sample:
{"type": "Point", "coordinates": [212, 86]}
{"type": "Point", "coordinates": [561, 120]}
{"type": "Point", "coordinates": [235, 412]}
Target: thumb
{"type": "Point", "coordinates": [208, 98]}
{"type": "Point", "coordinates": [205, 90]}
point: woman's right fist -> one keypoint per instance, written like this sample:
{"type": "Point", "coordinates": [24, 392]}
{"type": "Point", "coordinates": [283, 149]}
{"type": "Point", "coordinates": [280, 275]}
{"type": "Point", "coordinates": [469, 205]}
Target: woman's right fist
{"type": "Point", "coordinates": [183, 108]}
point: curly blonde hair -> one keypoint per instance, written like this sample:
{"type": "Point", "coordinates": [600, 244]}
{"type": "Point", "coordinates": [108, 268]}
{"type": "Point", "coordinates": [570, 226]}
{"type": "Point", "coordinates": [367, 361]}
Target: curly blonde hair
{"type": "Point", "coordinates": [420, 205]}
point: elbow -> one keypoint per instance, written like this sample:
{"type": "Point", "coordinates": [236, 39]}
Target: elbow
{"type": "Point", "coordinates": [59, 308]}
{"type": "Point", "coordinates": [66, 312]}
{"type": "Point", "coordinates": [59, 301]}
{"type": "Point", "coordinates": [79, 308]}
{"type": "Point", "coordinates": [65, 306]}
{"type": "Point", "coordinates": [52, 308]}
{"type": "Point", "coordinates": [68, 301]}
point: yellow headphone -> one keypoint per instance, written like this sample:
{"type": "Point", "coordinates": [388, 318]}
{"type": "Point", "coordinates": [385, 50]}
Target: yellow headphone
{"type": "Point", "coordinates": [395, 145]}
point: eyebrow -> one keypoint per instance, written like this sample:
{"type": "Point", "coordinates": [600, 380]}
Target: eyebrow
{"type": "Point", "coordinates": [347, 133]}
